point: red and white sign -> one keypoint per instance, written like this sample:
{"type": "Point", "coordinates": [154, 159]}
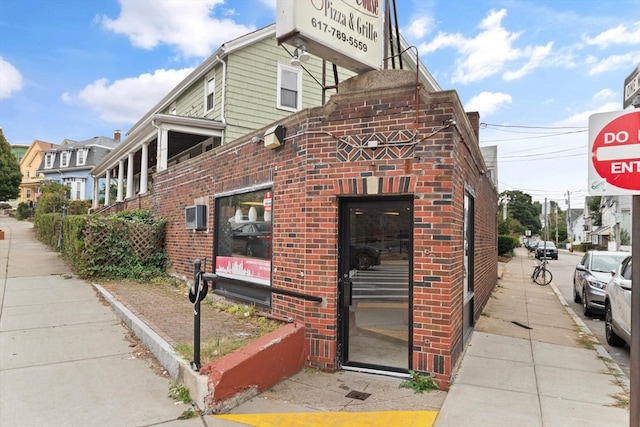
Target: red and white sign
{"type": "Point", "coordinates": [267, 201]}
{"type": "Point", "coordinates": [614, 148]}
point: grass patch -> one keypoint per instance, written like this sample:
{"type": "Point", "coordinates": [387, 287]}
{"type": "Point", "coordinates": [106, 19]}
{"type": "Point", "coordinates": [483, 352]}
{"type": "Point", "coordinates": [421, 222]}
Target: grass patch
{"type": "Point", "coordinates": [220, 346]}
{"type": "Point", "coordinates": [179, 393]}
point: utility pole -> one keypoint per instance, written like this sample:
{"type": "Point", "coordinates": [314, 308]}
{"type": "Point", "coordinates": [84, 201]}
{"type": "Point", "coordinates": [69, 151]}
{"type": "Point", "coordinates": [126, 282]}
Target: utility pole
{"type": "Point", "coordinates": [556, 225]}
{"type": "Point", "coordinates": [569, 233]}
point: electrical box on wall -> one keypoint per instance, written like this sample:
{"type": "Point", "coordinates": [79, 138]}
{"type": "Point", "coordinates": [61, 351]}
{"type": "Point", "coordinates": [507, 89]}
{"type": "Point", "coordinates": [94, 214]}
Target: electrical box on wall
{"type": "Point", "coordinates": [195, 217]}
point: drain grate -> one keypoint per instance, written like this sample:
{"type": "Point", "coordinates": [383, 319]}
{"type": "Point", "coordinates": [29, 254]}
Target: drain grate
{"type": "Point", "coordinates": [360, 395]}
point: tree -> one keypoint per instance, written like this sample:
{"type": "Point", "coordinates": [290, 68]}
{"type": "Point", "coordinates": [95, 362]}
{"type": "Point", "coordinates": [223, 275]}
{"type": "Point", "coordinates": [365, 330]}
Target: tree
{"type": "Point", "coordinates": [520, 207]}
{"type": "Point", "coordinates": [10, 175]}
{"type": "Point", "coordinates": [594, 211]}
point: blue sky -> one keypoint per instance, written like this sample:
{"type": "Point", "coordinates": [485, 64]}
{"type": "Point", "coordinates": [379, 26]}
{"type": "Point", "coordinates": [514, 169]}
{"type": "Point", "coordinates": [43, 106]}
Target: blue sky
{"type": "Point", "coordinates": [535, 70]}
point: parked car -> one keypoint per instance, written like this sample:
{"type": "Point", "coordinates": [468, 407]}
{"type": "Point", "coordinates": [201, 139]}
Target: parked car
{"type": "Point", "coordinates": [363, 257]}
{"type": "Point", "coordinates": [546, 250]}
{"type": "Point", "coordinates": [617, 306]}
{"type": "Point", "coordinates": [5, 205]}
{"type": "Point", "coordinates": [531, 245]}
{"type": "Point", "coordinates": [252, 239]}
{"type": "Point", "coordinates": [591, 276]}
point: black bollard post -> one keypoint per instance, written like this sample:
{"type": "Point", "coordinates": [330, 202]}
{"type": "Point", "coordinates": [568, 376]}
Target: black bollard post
{"type": "Point", "coordinates": [195, 364]}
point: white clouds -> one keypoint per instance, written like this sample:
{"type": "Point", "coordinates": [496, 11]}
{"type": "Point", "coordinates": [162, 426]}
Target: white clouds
{"type": "Point", "coordinates": [487, 103]}
{"type": "Point", "coordinates": [617, 35]}
{"type": "Point", "coordinates": [127, 100]}
{"type": "Point", "coordinates": [613, 62]}
{"type": "Point", "coordinates": [490, 52]}
{"type": "Point", "coordinates": [187, 26]}
{"type": "Point", "coordinates": [420, 27]}
{"type": "Point", "coordinates": [11, 80]}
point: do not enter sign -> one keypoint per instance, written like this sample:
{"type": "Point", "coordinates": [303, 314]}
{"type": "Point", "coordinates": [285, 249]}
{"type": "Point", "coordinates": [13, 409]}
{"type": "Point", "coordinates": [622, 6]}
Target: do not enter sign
{"type": "Point", "coordinates": [614, 158]}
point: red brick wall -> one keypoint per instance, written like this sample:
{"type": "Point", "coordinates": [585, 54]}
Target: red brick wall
{"type": "Point", "coordinates": [317, 165]}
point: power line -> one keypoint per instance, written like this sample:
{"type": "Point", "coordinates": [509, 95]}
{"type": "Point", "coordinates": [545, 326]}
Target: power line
{"type": "Point", "coordinates": [530, 127]}
{"type": "Point", "coordinates": [534, 137]}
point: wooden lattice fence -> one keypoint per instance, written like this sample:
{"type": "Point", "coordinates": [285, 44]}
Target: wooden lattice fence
{"type": "Point", "coordinates": [120, 247]}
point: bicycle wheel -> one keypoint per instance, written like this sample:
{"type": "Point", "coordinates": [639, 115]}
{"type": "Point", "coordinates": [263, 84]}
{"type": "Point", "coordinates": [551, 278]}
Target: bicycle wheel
{"type": "Point", "coordinates": [543, 278]}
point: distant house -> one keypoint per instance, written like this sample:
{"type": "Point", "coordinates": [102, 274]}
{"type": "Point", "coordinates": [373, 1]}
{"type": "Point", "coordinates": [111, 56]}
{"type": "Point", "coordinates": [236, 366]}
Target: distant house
{"type": "Point", "coordinates": [71, 162]}
{"type": "Point", "coordinates": [616, 222]}
{"type": "Point", "coordinates": [19, 150]}
{"type": "Point", "coordinates": [29, 165]}
{"type": "Point", "coordinates": [575, 220]}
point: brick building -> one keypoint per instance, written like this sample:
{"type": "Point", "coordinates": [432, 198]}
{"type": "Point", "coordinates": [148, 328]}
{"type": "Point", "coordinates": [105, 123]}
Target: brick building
{"type": "Point", "coordinates": [378, 202]}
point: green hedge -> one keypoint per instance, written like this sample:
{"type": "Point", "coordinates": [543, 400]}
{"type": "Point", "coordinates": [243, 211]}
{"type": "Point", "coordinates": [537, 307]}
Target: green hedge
{"type": "Point", "coordinates": [47, 227]}
{"type": "Point", "coordinates": [73, 241]}
{"type": "Point", "coordinates": [101, 246]}
{"type": "Point", "coordinates": [506, 244]}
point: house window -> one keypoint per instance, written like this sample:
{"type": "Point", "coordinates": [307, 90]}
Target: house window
{"type": "Point", "coordinates": [209, 93]}
{"type": "Point", "coordinates": [81, 157]}
{"type": "Point", "coordinates": [64, 159]}
{"type": "Point", "coordinates": [49, 158]}
{"type": "Point", "coordinates": [289, 88]}
{"type": "Point", "coordinates": [28, 193]}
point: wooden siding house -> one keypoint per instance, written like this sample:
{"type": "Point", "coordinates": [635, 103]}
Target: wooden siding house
{"type": "Point", "coordinates": [29, 165]}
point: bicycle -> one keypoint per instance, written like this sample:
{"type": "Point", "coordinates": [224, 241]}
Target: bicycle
{"type": "Point", "coordinates": [541, 275]}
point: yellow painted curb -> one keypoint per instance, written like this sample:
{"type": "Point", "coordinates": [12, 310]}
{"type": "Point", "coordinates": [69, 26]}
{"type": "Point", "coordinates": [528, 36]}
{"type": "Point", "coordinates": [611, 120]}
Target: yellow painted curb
{"type": "Point", "coordinates": [336, 419]}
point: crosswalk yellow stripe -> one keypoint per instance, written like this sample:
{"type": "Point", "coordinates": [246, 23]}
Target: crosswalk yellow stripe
{"type": "Point", "coordinates": [336, 419]}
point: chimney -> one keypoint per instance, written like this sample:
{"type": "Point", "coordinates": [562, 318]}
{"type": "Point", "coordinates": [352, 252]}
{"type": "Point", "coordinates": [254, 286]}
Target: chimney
{"type": "Point", "coordinates": [474, 118]}
{"type": "Point", "coordinates": [116, 135]}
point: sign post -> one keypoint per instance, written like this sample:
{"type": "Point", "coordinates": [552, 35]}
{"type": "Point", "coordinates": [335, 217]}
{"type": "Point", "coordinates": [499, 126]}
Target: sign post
{"type": "Point", "coordinates": [614, 169]}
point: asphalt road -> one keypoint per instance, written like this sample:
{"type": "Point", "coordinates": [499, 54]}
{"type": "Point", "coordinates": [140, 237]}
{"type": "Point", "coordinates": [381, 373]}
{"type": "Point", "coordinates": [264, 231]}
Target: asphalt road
{"type": "Point", "coordinates": [563, 270]}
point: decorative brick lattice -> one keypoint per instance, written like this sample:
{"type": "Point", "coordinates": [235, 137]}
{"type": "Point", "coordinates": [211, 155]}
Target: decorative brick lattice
{"type": "Point", "coordinates": [393, 145]}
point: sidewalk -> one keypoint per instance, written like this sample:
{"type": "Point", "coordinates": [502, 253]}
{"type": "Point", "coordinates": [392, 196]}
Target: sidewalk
{"type": "Point", "coordinates": [534, 372]}
{"type": "Point", "coordinates": [65, 358]}
{"type": "Point", "coordinates": [530, 363]}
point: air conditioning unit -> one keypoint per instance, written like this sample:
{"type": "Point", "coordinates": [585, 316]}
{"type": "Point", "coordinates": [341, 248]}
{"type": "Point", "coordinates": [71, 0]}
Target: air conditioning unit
{"type": "Point", "coordinates": [195, 217]}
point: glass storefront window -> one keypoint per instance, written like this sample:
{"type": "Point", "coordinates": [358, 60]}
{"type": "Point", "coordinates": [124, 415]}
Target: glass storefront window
{"type": "Point", "coordinates": [244, 236]}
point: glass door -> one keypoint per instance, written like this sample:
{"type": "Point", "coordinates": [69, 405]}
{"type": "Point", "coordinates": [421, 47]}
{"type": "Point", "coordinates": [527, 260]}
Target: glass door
{"type": "Point", "coordinates": [374, 284]}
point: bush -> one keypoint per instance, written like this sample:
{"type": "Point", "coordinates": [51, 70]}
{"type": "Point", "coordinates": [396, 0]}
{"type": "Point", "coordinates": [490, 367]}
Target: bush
{"type": "Point", "coordinates": [506, 244]}
{"type": "Point", "coordinates": [73, 246]}
{"type": "Point", "coordinates": [23, 211]}
{"type": "Point", "coordinates": [47, 227]}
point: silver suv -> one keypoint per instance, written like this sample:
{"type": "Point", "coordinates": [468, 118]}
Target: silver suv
{"type": "Point", "coordinates": [617, 306]}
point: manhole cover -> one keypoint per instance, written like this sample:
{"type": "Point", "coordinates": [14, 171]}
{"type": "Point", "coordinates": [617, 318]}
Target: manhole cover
{"type": "Point", "coordinates": [360, 395]}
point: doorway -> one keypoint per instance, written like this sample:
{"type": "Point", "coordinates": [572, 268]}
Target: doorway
{"type": "Point", "coordinates": [375, 252]}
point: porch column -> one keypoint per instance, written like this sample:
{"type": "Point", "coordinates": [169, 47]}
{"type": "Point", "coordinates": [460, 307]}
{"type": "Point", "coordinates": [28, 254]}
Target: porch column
{"type": "Point", "coordinates": [144, 168]}
{"type": "Point", "coordinates": [120, 179]}
{"type": "Point", "coordinates": [130, 175]}
{"type": "Point", "coordinates": [96, 191]}
{"type": "Point", "coordinates": [107, 188]}
{"type": "Point", "coordinates": [163, 149]}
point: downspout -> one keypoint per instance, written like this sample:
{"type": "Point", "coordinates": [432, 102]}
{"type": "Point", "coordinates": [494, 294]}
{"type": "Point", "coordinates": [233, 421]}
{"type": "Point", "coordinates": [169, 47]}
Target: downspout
{"type": "Point", "coordinates": [224, 94]}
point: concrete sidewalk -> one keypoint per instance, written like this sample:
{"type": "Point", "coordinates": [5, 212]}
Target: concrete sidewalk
{"type": "Point", "coordinates": [65, 358]}
{"type": "Point", "coordinates": [532, 362]}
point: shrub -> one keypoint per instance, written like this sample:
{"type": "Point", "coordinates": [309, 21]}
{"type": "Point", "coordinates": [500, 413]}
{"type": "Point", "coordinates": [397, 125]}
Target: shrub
{"type": "Point", "coordinates": [23, 211]}
{"type": "Point", "coordinates": [506, 244]}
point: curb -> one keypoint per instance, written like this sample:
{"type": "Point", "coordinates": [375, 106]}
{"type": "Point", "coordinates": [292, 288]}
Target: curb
{"type": "Point", "coordinates": [600, 350]}
{"type": "Point", "coordinates": [178, 369]}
